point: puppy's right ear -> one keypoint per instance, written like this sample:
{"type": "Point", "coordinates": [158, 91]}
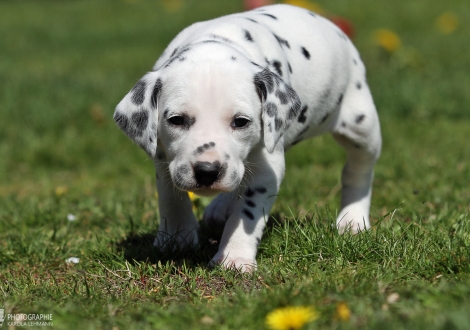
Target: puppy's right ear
{"type": "Point", "coordinates": [137, 114]}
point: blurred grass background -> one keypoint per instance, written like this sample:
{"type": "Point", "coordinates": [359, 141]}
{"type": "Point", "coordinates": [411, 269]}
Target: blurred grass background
{"type": "Point", "coordinates": [64, 65]}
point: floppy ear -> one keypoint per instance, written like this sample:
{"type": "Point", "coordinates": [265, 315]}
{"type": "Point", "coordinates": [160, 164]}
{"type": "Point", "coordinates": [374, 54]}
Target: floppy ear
{"type": "Point", "coordinates": [137, 114]}
{"type": "Point", "coordinates": [280, 106]}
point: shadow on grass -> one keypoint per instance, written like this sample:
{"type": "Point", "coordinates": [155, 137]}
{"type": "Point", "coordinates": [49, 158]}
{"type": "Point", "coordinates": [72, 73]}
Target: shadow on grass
{"type": "Point", "coordinates": [138, 246]}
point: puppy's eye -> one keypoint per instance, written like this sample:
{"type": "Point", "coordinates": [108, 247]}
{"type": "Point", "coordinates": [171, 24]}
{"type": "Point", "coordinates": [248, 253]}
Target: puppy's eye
{"type": "Point", "coordinates": [176, 120]}
{"type": "Point", "coordinates": [240, 122]}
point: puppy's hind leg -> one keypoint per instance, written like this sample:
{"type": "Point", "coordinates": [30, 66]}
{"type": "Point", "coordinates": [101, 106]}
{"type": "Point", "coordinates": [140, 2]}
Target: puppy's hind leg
{"type": "Point", "coordinates": [357, 130]}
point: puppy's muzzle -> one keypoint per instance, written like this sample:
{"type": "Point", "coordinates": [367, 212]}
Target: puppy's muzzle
{"type": "Point", "coordinates": [206, 173]}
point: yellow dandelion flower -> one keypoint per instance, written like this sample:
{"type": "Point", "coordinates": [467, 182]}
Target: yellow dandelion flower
{"type": "Point", "coordinates": [343, 312]}
{"type": "Point", "coordinates": [388, 40]}
{"type": "Point", "coordinates": [192, 196]}
{"type": "Point", "coordinates": [307, 5]}
{"type": "Point", "coordinates": [61, 191]}
{"type": "Point", "coordinates": [173, 5]}
{"type": "Point", "coordinates": [290, 318]}
{"type": "Point", "coordinates": [447, 22]}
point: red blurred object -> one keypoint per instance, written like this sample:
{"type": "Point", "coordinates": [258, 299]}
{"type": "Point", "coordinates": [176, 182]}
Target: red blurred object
{"type": "Point", "coordinates": [345, 25]}
{"type": "Point", "coordinates": [252, 4]}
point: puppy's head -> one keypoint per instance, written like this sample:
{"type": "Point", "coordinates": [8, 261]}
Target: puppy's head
{"type": "Point", "coordinates": [209, 109]}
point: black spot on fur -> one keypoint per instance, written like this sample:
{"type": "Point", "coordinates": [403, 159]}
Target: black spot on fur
{"type": "Point", "coordinates": [204, 147]}
{"type": "Point", "coordinates": [282, 96]}
{"type": "Point", "coordinates": [165, 113]}
{"type": "Point", "coordinates": [227, 40]}
{"type": "Point", "coordinates": [277, 66]}
{"type": "Point", "coordinates": [248, 35]}
{"type": "Point", "coordinates": [234, 176]}
{"type": "Point", "coordinates": [358, 85]}
{"type": "Point", "coordinates": [140, 119]}
{"type": "Point", "coordinates": [271, 109]}
{"type": "Point", "coordinates": [354, 61]}
{"type": "Point", "coordinates": [234, 58]}
{"type": "Point", "coordinates": [305, 53]}
{"type": "Point", "coordinates": [302, 117]}
{"type": "Point", "coordinates": [278, 123]}
{"type": "Point", "coordinates": [248, 214]}
{"type": "Point", "coordinates": [325, 117]}
{"type": "Point", "coordinates": [211, 41]}
{"type": "Point", "coordinates": [269, 15]}
{"type": "Point", "coordinates": [282, 42]}
{"type": "Point", "coordinates": [227, 156]}
{"type": "Point", "coordinates": [343, 124]}
{"type": "Point", "coordinates": [249, 192]}
{"type": "Point", "coordinates": [250, 203]}
{"type": "Point", "coordinates": [312, 14]}
{"type": "Point", "coordinates": [340, 99]}
{"type": "Point", "coordinates": [178, 55]}
{"type": "Point", "coordinates": [157, 88]}
{"type": "Point", "coordinates": [121, 120]}
{"type": "Point", "coordinates": [360, 118]}
{"type": "Point", "coordinates": [174, 52]}
{"type": "Point", "coordinates": [290, 68]}
{"type": "Point", "coordinates": [261, 190]}
{"type": "Point", "coordinates": [264, 83]}
{"type": "Point", "coordinates": [138, 92]}
{"type": "Point", "coordinates": [250, 19]}
{"type": "Point", "coordinates": [191, 121]}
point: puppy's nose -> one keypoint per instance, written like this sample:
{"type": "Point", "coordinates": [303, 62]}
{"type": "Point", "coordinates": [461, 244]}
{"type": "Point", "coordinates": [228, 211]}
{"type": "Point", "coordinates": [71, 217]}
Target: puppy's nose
{"type": "Point", "coordinates": [206, 173]}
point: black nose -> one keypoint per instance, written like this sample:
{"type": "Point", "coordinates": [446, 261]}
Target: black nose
{"type": "Point", "coordinates": [206, 173]}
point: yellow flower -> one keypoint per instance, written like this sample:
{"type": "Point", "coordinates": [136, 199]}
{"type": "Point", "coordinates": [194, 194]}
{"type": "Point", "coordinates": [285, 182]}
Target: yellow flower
{"type": "Point", "coordinates": [388, 40]}
{"type": "Point", "coordinates": [61, 191]}
{"type": "Point", "coordinates": [447, 22]}
{"type": "Point", "coordinates": [343, 312]}
{"type": "Point", "coordinates": [192, 196]}
{"type": "Point", "coordinates": [173, 5]}
{"type": "Point", "coordinates": [290, 318]}
{"type": "Point", "coordinates": [307, 5]}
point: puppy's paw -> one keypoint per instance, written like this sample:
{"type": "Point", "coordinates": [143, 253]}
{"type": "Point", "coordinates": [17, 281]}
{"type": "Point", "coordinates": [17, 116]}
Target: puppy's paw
{"type": "Point", "coordinates": [179, 240]}
{"type": "Point", "coordinates": [219, 210]}
{"type": "Point", "coordinates": [353, 219]}
{"type": "Point", "coordinates": [244, 265]}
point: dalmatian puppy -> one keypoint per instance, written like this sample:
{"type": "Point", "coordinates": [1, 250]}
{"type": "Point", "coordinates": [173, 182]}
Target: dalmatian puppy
{"type": "Point", "coordinates": [224, 102]}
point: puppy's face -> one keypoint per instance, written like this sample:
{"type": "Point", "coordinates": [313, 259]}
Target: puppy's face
{"type": "Point", "coordinates": [209, 121]}
{"type": "Point", "coordinates": [208, 110]}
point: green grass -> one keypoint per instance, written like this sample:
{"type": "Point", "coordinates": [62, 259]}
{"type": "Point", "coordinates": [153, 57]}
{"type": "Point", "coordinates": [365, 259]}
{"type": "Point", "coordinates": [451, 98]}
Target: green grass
{"type": "Point", "coordinates": [63, 68]}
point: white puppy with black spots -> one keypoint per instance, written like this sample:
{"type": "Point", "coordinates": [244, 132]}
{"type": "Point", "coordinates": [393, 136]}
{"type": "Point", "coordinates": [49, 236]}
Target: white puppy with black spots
{"type": "Point", "coordinates": [224, 102]}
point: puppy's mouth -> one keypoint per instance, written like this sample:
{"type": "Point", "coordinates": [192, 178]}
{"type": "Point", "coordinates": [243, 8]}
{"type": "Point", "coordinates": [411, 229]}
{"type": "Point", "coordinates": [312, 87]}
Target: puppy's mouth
{"type": "Point", "coordinates": [203, 178]}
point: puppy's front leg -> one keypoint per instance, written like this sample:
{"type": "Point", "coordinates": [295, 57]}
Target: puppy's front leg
{"type": "Point", "coordinates": [178, 225]}
{"type": "Point", "coordinates": [256, 195]}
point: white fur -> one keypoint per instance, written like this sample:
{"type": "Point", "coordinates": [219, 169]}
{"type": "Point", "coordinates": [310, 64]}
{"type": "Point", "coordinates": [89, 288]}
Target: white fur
{"type": "Point", "coordinates": [286, 73]}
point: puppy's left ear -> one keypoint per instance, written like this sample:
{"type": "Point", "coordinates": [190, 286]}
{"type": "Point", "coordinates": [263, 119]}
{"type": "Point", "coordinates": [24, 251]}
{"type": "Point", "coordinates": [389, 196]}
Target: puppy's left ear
{"type": "Point", "coordinates": [137, 114]}
{"type": "Point", "coordinates": [280, 106]}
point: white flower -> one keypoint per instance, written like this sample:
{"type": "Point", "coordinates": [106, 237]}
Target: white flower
{"type": "Point", "coordinates": [71, 217]}
{"type": "Point", "coordinates": [72, 260]}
